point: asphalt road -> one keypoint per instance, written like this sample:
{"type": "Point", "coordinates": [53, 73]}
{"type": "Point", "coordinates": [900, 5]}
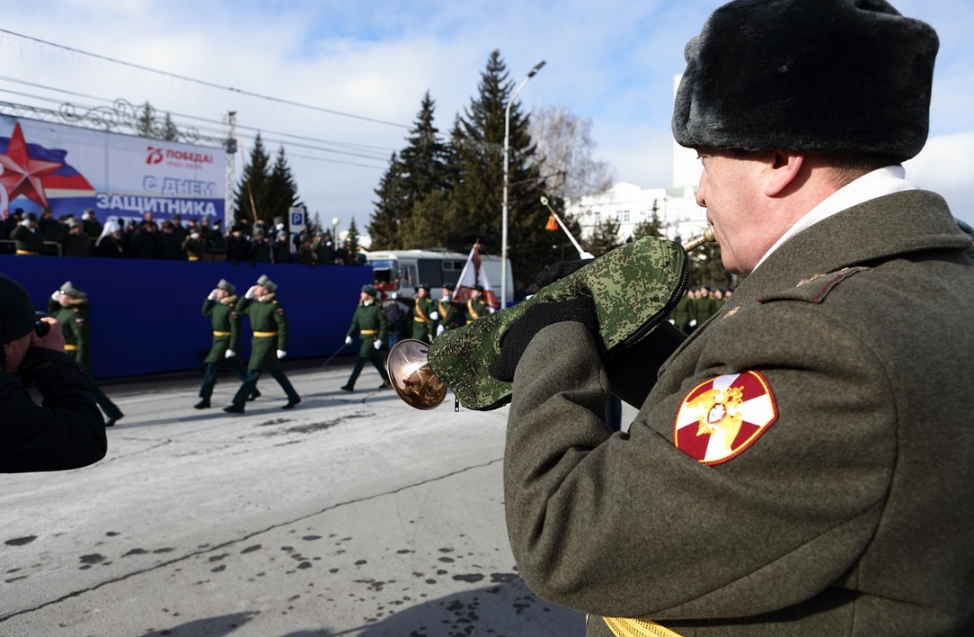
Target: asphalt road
{"type": "Point", "coordinates": [352, 514]}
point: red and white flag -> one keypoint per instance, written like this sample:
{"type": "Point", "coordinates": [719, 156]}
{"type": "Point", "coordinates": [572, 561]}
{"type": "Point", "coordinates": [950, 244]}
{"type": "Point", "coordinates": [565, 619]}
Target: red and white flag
{"type": "Point", "coordinates": [474, 274]}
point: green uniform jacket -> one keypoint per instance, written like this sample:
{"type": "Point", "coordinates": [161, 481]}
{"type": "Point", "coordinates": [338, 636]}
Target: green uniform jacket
{"type": "Point", "coordinates": [66, 433]}
{"type": "Point", "coordinates": [422, 323]}
{"type": "Point", "coordinates": [448, 312]}
{"type": "Point", "coordinates": [26, 240]}
{"type": "Point", "coordinates": [370, 320]}
{"type": "Point", "coordinates": [226, 327]}
{"type": "Point", "coordinates": [76, 329]}
{"type": "Point", "coordinates": [850, 515]}
{"type": "Point", "coordinates": [475, 309]}
{"type": "Point", "coordinates": [266, 317]}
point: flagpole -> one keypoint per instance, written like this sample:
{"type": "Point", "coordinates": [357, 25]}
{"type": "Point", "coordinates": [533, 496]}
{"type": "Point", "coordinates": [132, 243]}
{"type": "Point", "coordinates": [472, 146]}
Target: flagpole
{"type": "Point", "coordinates": [582, 254]}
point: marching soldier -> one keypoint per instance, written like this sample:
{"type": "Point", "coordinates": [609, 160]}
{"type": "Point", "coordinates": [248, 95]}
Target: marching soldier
{"type": "Point", "coordinates": [219, 305]}
{"type": "Point", "coordinates": [69, 305]}
{"type": "Point", "coordinates": [424, 314]}
{"type": "Point", "coordinates": [372, 328]}
{"type": "Point", "coordinates": [269, 325]}
{"type": "Point", "coordinates": [476, 306]}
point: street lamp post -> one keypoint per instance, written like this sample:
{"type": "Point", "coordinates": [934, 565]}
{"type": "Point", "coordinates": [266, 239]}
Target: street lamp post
{"type": "Point", "coordinates": [507, 138]}
{"type": "Point", "coordinates": [334, 231]}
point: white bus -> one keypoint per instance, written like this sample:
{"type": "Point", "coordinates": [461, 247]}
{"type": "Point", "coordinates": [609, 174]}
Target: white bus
{"type": "Point", "coordinates": [401, 271]}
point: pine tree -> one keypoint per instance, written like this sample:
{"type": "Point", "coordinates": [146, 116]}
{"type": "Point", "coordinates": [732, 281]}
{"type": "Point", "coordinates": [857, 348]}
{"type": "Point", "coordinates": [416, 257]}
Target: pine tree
{"type": "Point", "coordinates": [250, 192]}
{"type": "Point", "coordinates": [478, 145]}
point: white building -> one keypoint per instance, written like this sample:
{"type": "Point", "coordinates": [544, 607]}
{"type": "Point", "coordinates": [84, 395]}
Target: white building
{"type": "Point", "coordinates": [629, 205]}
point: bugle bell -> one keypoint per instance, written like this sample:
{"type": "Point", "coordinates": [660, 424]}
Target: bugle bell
{"type": "Point", "coordinates": [634, 287]}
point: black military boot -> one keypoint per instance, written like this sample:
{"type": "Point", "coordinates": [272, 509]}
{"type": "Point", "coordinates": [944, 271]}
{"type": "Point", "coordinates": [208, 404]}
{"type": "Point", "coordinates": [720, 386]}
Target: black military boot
{"type": "Point", "coordinates": [347, 388]}
{"type": "Point", "coordinates": [234, 409]}
{"type": "Point", "coordinates": [203, 404]}
{"type": "Point", "coordinates": [291, 403]}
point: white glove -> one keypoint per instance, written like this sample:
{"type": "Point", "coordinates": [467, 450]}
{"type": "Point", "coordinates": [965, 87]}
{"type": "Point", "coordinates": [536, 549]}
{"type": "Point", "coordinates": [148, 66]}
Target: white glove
{"type": "Point", "coordinates": [378, 344]}
{"type": "Point", "coordinates": [56, 295]}
{"type": "Point", "coordinates": [250, 293]}
{"type": "Point", "coordinates": [693, 322]}
{"type": "Point", "coordinates": [440, 329]}
{"type": "Point", "coordinates": [212, 296]}
{"type": "Point", "coordinates": [281, 353]}
{"type": "Point", "coordinates": [490, 310]}
{"type": "Point", "coordinates": [672, 322]}
{"type": "Point", "coordinates": [434, 316]}
{"type": "Point", "coordinates": [348, 340]}
{"type": "Point", "coordinates": [230, 353]}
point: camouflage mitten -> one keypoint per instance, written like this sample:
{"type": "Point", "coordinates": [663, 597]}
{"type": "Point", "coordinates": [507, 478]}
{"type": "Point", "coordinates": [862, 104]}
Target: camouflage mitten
{"type": "Point", "coordinates": [633, 288]}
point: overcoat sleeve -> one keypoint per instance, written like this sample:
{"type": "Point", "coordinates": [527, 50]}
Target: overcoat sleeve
{"type": "Point", "coordinates": [629, 525]}
{"type": "Point", "coordinates": [280, 319]}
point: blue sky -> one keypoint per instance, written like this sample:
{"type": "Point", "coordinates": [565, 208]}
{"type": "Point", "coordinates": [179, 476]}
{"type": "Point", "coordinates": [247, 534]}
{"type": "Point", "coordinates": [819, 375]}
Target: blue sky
{"type": "Point", "coordinates": [608, 61]}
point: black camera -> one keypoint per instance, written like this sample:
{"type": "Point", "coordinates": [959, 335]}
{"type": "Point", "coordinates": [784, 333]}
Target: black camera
{"type": "Point", "coordinates": [40, 327]}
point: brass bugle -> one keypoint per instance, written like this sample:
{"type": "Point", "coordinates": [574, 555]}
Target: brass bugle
{"type": "Point", "coordinates": [412, 375]}
{"type": "Point", "coordinates": [708, 236]}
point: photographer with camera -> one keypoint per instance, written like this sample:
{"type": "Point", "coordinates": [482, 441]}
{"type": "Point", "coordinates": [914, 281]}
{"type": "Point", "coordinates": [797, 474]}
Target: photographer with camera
{"type": "Point", "coordinates": [67, 431]}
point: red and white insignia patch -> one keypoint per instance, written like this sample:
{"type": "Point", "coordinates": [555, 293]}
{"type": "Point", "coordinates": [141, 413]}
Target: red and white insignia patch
{"type": "Point", "coordinates": [722, 417]}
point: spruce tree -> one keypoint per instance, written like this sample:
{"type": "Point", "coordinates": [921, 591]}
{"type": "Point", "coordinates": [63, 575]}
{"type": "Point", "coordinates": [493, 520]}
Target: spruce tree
{"type": "Point", "coordinates": [352, 242]}
{"type": "Point", "coordinates": [250, 192]}
{"type": "Point", "coordinates": [419, 172]}
{"type": "Point", "coordinates": [146, 121]}
{"type": "Point", "coordinates": [390, 209]}
{"type": "Point", "coordinates": [281, 193]}
{"type": "Point", "coordinates": [604, 238]}
{"type": "Point", "coordinates": [478, 144]}
{"type": "Point", "coordinates": [169, 132]}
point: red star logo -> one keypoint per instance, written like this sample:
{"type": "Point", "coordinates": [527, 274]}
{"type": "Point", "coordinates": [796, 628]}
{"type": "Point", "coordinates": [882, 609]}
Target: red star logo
{"type": "Point", "coordinates": [21, 174]}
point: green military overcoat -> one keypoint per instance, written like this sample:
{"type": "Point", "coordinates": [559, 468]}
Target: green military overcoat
{"type": "Point", "coordinates": [803, 465]}
{"type": "Point", "coordinates": [75, 328]}
{"type": "Point", "coordinates": [368, 323]}
{"type": "Point", "coordinates": [269, 326]}
{"type": "Point", "coordinates": [422, 323]}
{"type": "Point", "coordinates": [226, 327]}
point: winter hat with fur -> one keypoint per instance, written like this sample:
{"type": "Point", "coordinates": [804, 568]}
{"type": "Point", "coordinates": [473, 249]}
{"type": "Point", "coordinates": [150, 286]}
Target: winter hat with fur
{"type": "Point", "coordinates": [833, 76]}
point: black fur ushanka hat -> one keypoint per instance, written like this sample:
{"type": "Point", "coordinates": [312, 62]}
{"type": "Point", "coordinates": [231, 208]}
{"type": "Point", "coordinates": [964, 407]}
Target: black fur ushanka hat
{"type": "Point", "coordinates": [833, 76]}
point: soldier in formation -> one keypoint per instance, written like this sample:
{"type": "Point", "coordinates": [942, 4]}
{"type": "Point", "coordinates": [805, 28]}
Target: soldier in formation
{"type": "Point", "coordinates": [371, 327]}
{"type": "Point", "coordinates": [220, 307]}
{"type": "Point", "coordinates": [69, 305]}
{"type": "Point", "coordinates": [268, 346]}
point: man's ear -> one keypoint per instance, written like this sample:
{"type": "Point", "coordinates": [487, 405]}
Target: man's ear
{"type": "Point", "coordinates": [782, 171]}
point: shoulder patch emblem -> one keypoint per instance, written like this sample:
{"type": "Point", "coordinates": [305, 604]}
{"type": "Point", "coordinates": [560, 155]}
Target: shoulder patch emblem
{"type": "Point", "coordinates": [280, 311]}
{"type": "Point", "coordinates": [723, 416]}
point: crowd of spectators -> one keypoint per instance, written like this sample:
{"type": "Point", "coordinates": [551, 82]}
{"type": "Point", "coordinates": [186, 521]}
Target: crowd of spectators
{"type": "Point", "coordinates": [203, 240]}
